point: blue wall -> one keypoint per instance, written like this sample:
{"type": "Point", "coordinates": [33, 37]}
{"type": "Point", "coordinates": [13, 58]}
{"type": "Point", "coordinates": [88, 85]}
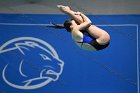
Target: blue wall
{"type": "Point", "coordinates": [112, 70]}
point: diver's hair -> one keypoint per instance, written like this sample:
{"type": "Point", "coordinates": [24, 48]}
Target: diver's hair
{"type": "Point", "coordinates": [66, 25]}
{"type": "Point", "coordinates": [56, 26]}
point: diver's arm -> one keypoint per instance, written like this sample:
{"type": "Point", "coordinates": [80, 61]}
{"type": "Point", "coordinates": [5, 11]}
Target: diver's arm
{"type": "Point", "coordinates": [77, 35]}
{"type": "Point", "coordinates": [84, 25]}
{"type": "Point", "coordinates": [71, 13]}
{"type": "Point", "coordinates": [85, 18]}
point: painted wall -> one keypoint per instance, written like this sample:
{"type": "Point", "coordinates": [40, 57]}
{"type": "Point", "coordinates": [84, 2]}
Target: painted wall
{"type": "Point", "coordinates": [86, 6]}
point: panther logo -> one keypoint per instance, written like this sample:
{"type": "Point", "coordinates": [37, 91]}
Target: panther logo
{"type": "Point", "coordinates": [33, 63]}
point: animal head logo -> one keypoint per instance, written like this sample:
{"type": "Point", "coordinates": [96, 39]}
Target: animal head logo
{"type": "Point", "coordinates": [34, 62]}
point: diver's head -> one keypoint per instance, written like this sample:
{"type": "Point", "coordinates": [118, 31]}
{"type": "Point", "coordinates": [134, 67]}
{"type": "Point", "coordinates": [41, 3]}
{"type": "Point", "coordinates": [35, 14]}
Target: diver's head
{"type": "Point", "coordinates": [68, 24]}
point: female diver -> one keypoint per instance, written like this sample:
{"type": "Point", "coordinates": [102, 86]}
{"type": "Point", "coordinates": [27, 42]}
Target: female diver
{"type": "Point", "coordinates": [84, 33]}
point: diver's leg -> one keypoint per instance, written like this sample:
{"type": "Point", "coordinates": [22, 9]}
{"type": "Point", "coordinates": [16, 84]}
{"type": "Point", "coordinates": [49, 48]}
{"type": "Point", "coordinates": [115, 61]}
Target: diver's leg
{"type": "Point", "coordinates": [102, 37]}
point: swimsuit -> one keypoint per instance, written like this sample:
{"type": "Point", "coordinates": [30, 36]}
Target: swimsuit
{"type": "Point", "coordinates": [92, 41]}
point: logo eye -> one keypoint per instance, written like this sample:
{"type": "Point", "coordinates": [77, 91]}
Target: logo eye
{"type": "Point", "coordinates": [45, 57]}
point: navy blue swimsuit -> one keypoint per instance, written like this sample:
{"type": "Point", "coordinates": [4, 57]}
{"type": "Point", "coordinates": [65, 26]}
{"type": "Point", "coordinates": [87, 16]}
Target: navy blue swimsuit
{"type": "Point", "coordinates": [87, 38]}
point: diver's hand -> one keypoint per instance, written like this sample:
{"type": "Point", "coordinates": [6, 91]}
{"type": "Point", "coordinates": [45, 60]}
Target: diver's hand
{"type": "Point", "coordinates": [63, 8]}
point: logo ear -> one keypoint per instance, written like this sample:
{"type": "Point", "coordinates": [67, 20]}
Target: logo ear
{"type": "Point", "coordinates": [25, 46]}
{"type": "Point", "coordinates": [31, 44]}
{"type": "Point", "coordinates": [21, 47]}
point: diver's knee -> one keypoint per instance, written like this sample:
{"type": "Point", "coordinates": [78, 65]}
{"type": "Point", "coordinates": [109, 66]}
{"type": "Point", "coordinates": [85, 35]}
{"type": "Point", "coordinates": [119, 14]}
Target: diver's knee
{"type": "Point", "coordinates": [103, 39]}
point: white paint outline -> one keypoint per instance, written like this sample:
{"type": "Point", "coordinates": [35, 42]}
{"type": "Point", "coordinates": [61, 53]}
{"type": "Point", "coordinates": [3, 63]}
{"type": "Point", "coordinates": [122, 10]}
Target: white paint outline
{"type": "Point", "coordinates": [52, 52]}
{"type": "Point", "coordinates": [135, 25]}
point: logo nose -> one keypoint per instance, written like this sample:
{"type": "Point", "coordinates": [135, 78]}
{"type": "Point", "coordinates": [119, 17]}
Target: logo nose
{"type": "Point", "coordinates": [60, 62]}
